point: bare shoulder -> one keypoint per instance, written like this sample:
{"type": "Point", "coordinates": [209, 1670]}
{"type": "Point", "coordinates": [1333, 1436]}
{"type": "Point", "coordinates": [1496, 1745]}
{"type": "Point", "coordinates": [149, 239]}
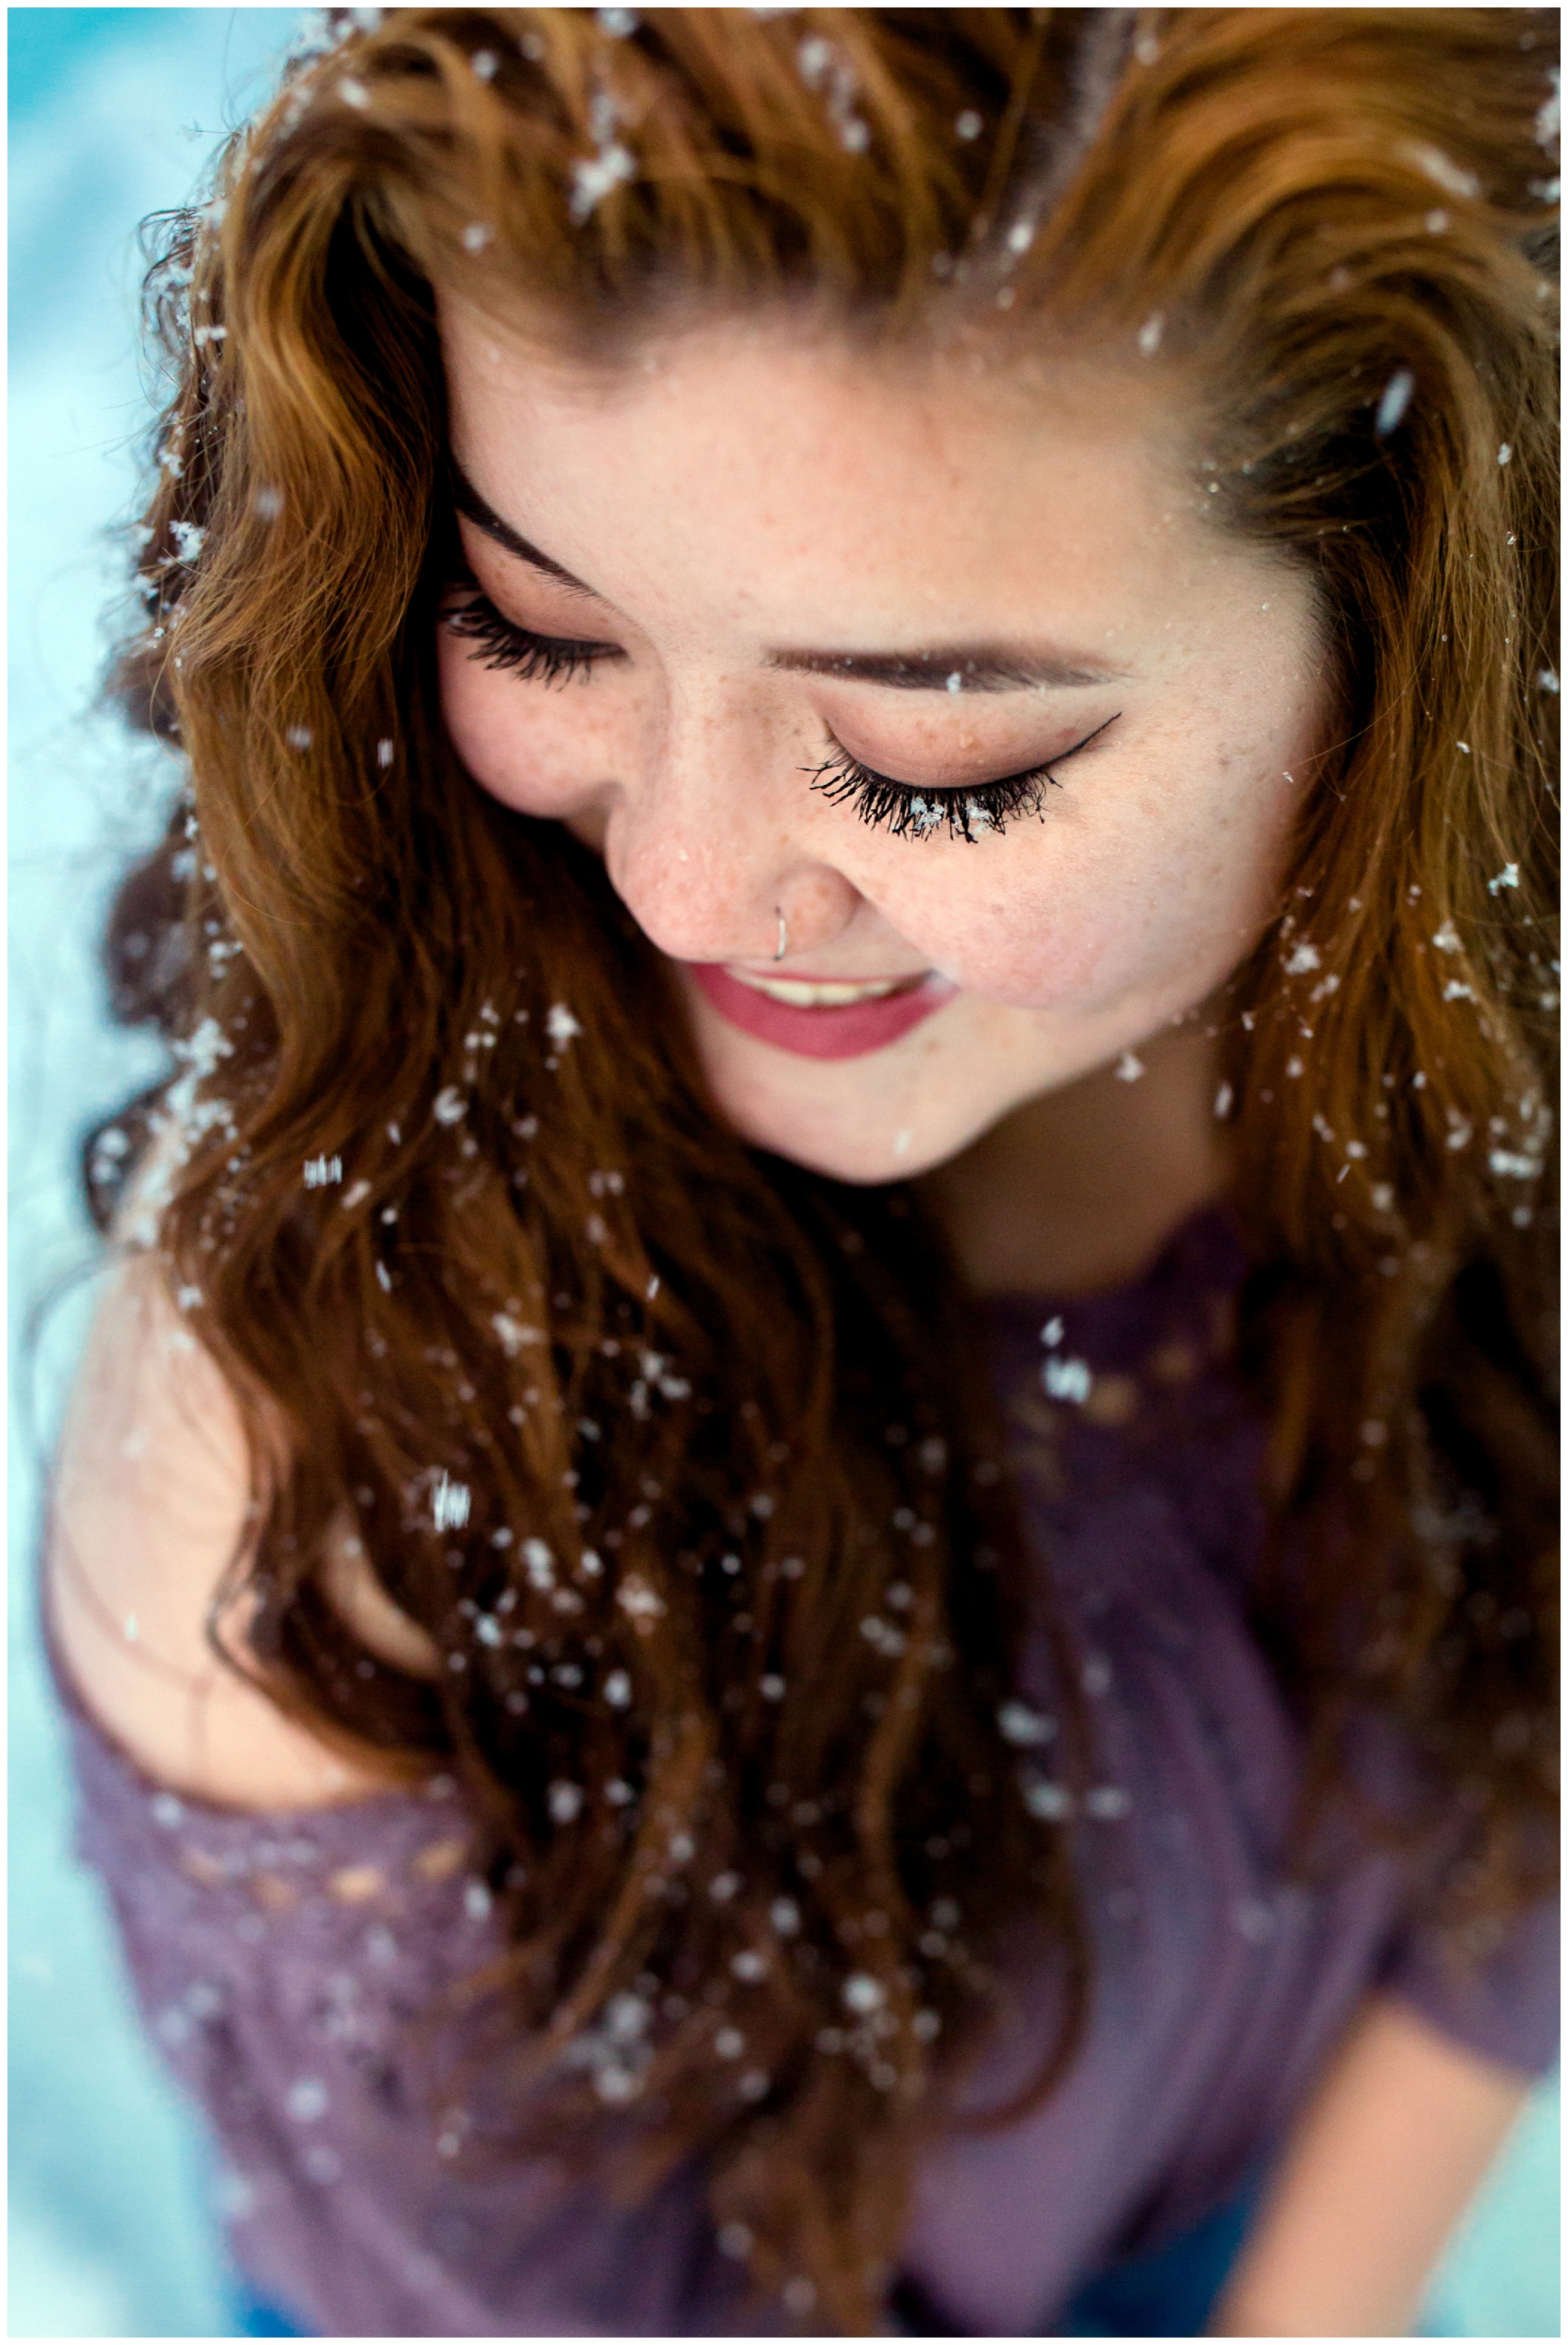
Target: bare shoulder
{"type": "Point", "coordinates": [150, 1510]}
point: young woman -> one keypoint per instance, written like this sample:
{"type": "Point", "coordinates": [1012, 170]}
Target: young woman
{"type": "Point", "coordinates": [804, 1561]}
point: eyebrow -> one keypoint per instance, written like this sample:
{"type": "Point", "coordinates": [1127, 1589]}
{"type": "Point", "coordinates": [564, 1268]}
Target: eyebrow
{"type": "Point", "coordinates": [980, 667]}
{"type": "Point", "coordinates": [472, 507]}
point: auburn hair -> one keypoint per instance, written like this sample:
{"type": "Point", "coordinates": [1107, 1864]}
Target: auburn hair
{"type": "Point", "coordinates": [667, 1444]}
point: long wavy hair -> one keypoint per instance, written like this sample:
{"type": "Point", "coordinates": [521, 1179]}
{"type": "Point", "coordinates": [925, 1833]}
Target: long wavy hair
{"type": "Point", "coordinates": [666, 1445]}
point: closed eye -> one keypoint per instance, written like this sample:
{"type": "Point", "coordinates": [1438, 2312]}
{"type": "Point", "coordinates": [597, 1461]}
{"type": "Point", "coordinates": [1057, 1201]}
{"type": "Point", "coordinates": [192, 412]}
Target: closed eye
{"type": "Point", "coordinates": [971, 812]}
{"type": "Point", "coordinates": [499, 642]}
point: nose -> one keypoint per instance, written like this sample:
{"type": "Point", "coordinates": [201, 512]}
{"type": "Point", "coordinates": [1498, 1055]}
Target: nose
{"type": "Point", "coordinates": [705, 847]}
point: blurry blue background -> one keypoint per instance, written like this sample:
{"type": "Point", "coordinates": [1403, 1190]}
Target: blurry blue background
{"type": "Point", "coordinates": [114, 112]}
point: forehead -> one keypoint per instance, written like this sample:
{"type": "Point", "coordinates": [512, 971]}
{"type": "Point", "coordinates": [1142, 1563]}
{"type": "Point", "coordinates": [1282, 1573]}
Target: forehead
{"type": "Point", "coordinates": [800, 386]}
{"type": "Point", "coordinates": [774, 449]}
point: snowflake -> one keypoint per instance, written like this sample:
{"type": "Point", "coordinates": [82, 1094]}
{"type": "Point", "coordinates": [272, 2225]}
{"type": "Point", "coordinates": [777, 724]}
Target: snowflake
{"type": "Point", "coordinates": [306, 2099]}
{"type": "Point", "coordinates": [1023, 1725]}
{"type": "Point", "coordinates": [565, 1800]}
{"type": "Point", "coordinates": [449, 1502]}
{"type": "Point", "coordinates": [205, 1046]}
{"type": "Point", "coordinates": [610, 167]}
{"type": "Point", "coordinates": [1066, 1380]}
{"type": "Point", "coordinates": [1549, 114]}
{"type": "Point", "coordinates": [512, 1334]}
{"type": "Point", "coordinates": [1391, 406]}
{"type": "Point", "coordinates": [638, 1598]}
{"type": "Point", "coordinates": [1443, 171]}
{"type": "Point", "coordinates": [627, 2017]}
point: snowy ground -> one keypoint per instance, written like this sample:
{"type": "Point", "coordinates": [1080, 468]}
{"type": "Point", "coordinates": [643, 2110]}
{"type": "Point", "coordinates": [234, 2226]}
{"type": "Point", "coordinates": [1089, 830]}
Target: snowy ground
{"type": "Point", "coordinates": [112, 113]}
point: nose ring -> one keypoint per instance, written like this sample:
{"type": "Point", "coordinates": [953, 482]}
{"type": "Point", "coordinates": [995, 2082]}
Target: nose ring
{"type": "Point", "coordinates": [783, 935]}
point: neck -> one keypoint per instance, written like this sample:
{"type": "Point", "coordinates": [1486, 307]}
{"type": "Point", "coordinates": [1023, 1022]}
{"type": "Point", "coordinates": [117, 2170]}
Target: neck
{"type": "Point", "coordinates": [1077, 1190]}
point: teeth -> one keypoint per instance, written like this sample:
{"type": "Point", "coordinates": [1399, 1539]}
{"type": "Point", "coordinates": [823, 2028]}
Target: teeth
{"type": "Point", "coordinates": [799, 994]}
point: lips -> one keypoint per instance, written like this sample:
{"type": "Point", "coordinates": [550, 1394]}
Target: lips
{"type": "Point", "coordinates": [824, 1030]}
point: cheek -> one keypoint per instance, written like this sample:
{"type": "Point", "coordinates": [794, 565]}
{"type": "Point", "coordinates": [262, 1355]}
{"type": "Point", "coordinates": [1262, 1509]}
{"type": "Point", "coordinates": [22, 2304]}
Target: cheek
{"type": "Point", "coordinates": [1154, 887]}
{"type": "Point", "coordinates": [490, 736]}
{"type": "Point", "coordinates": [534, 746]}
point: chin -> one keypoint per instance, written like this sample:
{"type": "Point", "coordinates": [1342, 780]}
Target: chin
{"type": "Point", "coordinates": [851, 1150]}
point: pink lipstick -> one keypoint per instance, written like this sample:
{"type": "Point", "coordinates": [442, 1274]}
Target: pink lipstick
{"type": "Point", "coordinates": [848, 1031]}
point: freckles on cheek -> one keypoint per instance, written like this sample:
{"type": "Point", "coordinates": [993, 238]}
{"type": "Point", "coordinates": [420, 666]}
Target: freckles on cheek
{"type": "Point", "coordinates": [1081, 940]}
{"type": "Point", "coordinates": [501, 742]}
{"type": "Point", "coordinates": [1033, 951]}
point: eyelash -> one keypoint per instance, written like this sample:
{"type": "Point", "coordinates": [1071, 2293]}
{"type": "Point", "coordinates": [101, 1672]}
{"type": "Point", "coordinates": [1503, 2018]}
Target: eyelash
{"type": "Point", "coordinates": [910, 813]}
{"type": "Point", "coordinates": [501, 644]}
{"type": "Point", "coordinates": [878, 800]}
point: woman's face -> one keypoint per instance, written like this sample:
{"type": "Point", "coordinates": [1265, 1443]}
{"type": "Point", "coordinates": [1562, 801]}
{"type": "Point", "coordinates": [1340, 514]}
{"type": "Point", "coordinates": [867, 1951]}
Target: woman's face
{"type": "Point", "coordinates": [793, 565]}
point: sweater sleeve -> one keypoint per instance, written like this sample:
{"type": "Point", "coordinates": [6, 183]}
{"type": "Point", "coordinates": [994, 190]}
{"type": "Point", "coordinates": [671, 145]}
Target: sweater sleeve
{"type": "Point", "coordinates": [1495, 1989]}
{"type": "Point", "coordinates": [298, 1972]}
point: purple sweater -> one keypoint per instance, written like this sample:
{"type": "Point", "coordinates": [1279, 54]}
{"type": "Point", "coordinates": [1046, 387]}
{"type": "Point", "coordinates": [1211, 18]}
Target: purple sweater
{"type": "Point", "coordinates": [279, 1957]}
